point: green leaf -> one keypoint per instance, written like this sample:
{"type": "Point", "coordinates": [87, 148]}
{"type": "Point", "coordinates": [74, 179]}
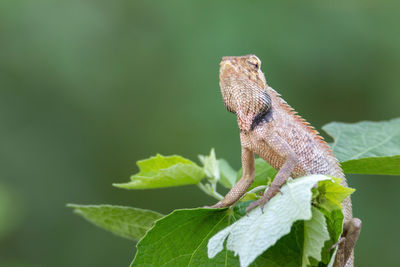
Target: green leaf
{"type": "Point", "coordinates": [264, 173]}
{"type": "Point", "coordinates": [188, 231]}
{"type": "Point", "coordinates": [374, 165]}
{"type": "Point", "coordinates": [131, 223]}
{"type": "Point", "coordinates": [331, 194]}
{"type": "Point", "coordinates": [287, 252]}
{"type": "Point", "coordinates": [161, 171]}
{"type": "Point", "coordinates": [210, 163]}
{"type": "Point", "coordinates": [227, 174]}
{"type": "Point", "coordinates": [315, 235]}
{"type": "Point", "coordinates": [367, 147]}
{"type": "Point", "coordinates": [180, 239]}
{"type": "Point", "coordinates": [334, 221]}
{"type": "Point", "coordinates": [251, 235]}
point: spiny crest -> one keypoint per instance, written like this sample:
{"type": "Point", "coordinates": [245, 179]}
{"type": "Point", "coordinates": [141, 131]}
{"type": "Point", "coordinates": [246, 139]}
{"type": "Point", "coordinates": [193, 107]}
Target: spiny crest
{"type": "Point", "coordinates": [305, 123]}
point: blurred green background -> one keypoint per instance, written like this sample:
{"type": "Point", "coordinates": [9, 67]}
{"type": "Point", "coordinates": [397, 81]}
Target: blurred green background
{"type": "Point", "coordinates": [89, 87]}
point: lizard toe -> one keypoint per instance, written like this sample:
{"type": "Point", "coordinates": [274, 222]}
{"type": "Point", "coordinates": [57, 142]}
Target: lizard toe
{"type": "Point", "coordinates": [259, 203]}
{"type": "Point", "coordinates": [252, 206]}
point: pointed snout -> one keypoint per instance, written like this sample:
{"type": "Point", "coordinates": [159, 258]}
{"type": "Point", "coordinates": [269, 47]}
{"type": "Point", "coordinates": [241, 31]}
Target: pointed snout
{"type": "Point", "coordinates": [225, 62]}
{"type": "Point", "coordinates": [233, 58]}
{"type": "Point", "coordinates": [227, 58]}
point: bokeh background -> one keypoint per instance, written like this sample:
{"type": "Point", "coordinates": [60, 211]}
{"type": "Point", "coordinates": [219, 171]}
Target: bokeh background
{"type": "Point", "coordinates": [89, 87]}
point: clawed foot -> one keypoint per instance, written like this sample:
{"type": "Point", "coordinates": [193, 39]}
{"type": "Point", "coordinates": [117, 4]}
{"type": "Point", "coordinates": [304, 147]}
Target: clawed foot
{"type": "Point", "coordinates": [261, 202]}
{"type": "Point", "coordinates": [271, 192]}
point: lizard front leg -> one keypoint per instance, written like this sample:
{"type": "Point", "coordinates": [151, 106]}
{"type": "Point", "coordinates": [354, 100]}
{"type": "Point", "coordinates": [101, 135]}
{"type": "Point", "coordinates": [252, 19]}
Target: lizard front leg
{"type": "Point", "coordinates": [282, 148]}
{"type": "Point", "coordinates": [240, 188]}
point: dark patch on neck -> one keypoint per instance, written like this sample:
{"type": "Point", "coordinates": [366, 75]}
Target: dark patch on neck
{"type": "Point", "coordinates": [265, 113]}
{"type": "Point", "coordinates": [261, 117]}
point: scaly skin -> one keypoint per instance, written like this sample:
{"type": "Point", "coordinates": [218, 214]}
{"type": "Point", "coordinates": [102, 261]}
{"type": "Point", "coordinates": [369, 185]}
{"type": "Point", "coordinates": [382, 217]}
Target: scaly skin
{"type": "Point", "coordinates": [270, 128]}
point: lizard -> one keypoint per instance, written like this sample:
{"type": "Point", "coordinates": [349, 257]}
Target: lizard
{"type": "Point", "coordinates": [271, 129]}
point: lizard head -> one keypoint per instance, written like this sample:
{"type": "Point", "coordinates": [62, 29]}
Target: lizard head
{"type": "Point", "coordinates": [243, 88]}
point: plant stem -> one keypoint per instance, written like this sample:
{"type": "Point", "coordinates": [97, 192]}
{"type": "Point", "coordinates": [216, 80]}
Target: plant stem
{"type": "Point", "coordinates": [258, 188]}
{"type": "Point", "coordinates": [209, 190]}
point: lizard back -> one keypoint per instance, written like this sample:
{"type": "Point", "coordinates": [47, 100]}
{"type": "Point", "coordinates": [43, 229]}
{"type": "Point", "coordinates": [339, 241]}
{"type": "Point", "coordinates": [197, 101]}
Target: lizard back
{"type": "Point", "coordinates": [315, 156]}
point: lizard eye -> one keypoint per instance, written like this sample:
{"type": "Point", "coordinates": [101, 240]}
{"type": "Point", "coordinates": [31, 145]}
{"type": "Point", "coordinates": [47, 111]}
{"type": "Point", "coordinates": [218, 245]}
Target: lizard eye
{"type": "Point", "coordinates": [254, 62]}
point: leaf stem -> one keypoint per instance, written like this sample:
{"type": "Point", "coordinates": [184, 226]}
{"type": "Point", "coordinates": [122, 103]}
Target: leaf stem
{"type": "Point", "coordinates": [210, 190]}
{"type": "Point", "coordinates": [258, 188]}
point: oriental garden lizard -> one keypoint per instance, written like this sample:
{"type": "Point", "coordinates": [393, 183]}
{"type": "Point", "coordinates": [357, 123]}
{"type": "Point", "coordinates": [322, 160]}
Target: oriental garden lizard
{"type": "Point", "coordinates": [270, 128]}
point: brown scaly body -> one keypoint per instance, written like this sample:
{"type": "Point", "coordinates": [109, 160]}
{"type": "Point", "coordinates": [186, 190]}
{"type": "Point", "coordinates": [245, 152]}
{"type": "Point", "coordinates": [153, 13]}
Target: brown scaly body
{"type": "Point", "coordinates": [270, 128]}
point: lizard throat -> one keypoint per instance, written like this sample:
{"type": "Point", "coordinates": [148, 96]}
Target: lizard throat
{"type": "Point", "coordinates": [252, 113]}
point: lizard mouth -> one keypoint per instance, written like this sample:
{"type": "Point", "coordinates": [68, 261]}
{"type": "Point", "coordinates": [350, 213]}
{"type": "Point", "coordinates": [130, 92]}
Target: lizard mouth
{"type": "Point", "coordinates": [224, 61]}
{"type": "Point", "coordinates": [225, 66]}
